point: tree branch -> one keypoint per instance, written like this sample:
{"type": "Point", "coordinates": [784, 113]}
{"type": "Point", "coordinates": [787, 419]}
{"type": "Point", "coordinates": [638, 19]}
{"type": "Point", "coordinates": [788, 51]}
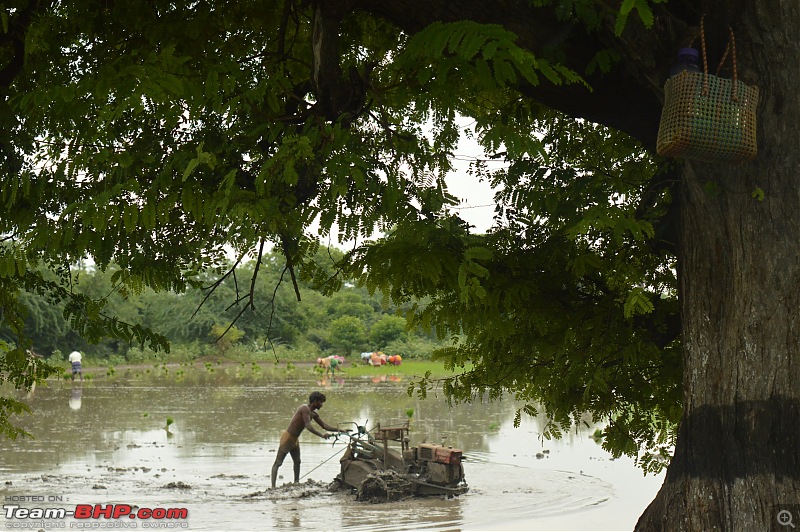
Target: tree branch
{"type": "Point", "coordinates": [628, 98]}
{"type": "Point", "coordinates": [255, 274]}
{"type": "Point", "coordinates": [215, 285]}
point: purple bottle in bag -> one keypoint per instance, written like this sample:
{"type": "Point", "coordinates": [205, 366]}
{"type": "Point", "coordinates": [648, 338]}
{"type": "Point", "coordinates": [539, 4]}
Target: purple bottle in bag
{"type": "Point", "coordinates": [688, 61]}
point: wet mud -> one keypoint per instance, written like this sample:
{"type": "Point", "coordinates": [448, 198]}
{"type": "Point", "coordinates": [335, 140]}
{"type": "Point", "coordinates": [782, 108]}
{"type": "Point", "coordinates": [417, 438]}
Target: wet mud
{"type": "Point", "coordinates": [215, 462]}
{"type": "Point", "coordinates": [301, 490]}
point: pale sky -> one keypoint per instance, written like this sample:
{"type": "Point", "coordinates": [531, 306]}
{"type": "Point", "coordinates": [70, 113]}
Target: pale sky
{"type": "Point", "coordinates": [477, 197]}
{"type": "Point", "coordinates": [477, 207]}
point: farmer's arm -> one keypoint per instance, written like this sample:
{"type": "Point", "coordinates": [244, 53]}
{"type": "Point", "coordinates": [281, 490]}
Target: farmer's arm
{"type": "Point", "coordinates": [308, 416]}
{"type": "Point", "coordinates": [322, 423]}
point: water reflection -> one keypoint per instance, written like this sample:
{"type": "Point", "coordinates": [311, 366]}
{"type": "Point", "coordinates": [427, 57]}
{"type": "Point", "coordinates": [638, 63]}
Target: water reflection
{"type": "Point", "coordinates": [227, 422]}
{"type": "Point", "coordinates": [75, 397]}
{"type": "Point", "coordinates": [118, 412]}
{"type": "Point", "coordinates": [330, 382]}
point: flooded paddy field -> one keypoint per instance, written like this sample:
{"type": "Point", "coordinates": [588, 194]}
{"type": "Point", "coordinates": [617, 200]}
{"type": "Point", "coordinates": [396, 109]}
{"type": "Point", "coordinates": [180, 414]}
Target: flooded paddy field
{"type": "Point", "coordinates": [107, 442]}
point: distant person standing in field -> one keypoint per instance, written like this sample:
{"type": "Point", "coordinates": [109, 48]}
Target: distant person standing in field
{"type": "Point", "coordinates": [75, 360]}
{"type": "Point", "coordinates": [289, 443]}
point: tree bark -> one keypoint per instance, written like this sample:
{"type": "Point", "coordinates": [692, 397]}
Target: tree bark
{"type": "Point", "coordinates": [737, 457]}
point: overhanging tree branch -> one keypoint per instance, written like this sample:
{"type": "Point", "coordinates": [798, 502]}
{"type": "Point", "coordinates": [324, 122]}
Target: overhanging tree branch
{"type": "Point", "coordinates": [627, 98]}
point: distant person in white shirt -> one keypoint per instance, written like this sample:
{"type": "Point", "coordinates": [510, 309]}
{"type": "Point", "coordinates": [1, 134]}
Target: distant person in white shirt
{"type": "Point", "coordinates": [75, 359]}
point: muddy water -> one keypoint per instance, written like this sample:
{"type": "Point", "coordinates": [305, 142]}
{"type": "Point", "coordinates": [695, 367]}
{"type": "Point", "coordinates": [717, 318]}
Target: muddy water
{"type": "Point", "coordinates": [104, 443]}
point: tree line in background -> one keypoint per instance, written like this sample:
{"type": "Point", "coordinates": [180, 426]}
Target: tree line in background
{"type": "Point", "coordinates": [208, 320]}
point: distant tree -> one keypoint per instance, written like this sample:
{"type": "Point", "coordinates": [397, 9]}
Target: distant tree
{"type": "Point", "coordinates": [348, 334]}
{"type": "Point", "coordinates": [350, 303]}
{"type": "Point", "coordinates": [44, 324]}
{"type": "Point", "coordinates": [386, 330]}
{"type": "Point", "coordinates": [179, 316]}
{"type": "Point", "coordinates": [225, 336]}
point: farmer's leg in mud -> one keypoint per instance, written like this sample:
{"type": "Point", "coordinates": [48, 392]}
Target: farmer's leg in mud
{"type": "Point", "coordinates": [296, 459]}
{"type": "Point", "coordinates": [288, 444]}
{"type": "Point", "coordinates": [278, 461]}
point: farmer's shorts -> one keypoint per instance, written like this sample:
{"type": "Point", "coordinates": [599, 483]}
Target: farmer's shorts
{"type": "Point", "coordinates": [288, 443]}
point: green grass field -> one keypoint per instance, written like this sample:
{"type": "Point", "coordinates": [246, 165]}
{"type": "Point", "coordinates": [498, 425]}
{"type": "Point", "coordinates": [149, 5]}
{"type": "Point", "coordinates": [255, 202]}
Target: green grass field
{"type": "Point", "coordinates": [407, 368]}
{"type": "Point", "coordinates": [352, 368]}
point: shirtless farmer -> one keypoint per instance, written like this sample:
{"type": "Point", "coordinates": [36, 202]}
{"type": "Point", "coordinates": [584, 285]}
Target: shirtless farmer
{"type": "Point", "coordinates": [289, 438]}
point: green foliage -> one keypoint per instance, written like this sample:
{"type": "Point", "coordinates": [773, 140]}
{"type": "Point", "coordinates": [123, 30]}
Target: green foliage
{"type": "Point", "coordinates": [225, 336]}
{"type": "Point", "coordinates": [157, 138]}
{"type": "Point", "coordinates": [386, 330]}
{"type": "Point", "coordinates": [643, 9]}
{"type": "Point", "coordinates": [349, 303]}
{"type": "Point", "coordinates": [19, 366]}
{"type": "Point", "coordinates": [193, 324]}
{"type": "Point", "coordinates": [8, 408]}
{"type": "Point", "coordinates": [481, 54]}
{"type": "Point", "coordinates": [565, 303]}
{"type": "Point", "coordinates": [413, 347]}
{"type": "Point", "coordinates": [348, 334]}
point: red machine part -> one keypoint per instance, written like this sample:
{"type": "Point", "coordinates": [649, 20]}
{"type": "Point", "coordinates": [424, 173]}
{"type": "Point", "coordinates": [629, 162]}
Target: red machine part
{"type": "Point", "coordinates": [439, 454]}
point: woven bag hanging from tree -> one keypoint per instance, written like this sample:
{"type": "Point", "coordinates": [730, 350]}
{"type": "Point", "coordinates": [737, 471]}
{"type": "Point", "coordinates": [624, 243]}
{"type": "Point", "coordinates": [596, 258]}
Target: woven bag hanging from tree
{"type": "Point", "coordinates": [706, 117]}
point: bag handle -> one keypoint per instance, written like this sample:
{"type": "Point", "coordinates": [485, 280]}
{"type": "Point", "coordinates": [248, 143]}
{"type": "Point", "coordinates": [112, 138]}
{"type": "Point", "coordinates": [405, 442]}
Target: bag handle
{"type": "Point", "coordinates": [731, 47]}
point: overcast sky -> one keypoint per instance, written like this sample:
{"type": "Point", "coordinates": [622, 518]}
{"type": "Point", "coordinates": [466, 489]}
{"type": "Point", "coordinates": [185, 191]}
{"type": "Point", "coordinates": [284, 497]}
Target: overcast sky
{"type": "Point", "coordinates": [477, 198]}
{"type": "Point", "coordinates": [477, 207]}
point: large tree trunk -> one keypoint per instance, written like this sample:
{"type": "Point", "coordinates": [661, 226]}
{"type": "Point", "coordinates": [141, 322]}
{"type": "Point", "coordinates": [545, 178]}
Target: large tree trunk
{"type": "Point", "coordinates": [738, 452]}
